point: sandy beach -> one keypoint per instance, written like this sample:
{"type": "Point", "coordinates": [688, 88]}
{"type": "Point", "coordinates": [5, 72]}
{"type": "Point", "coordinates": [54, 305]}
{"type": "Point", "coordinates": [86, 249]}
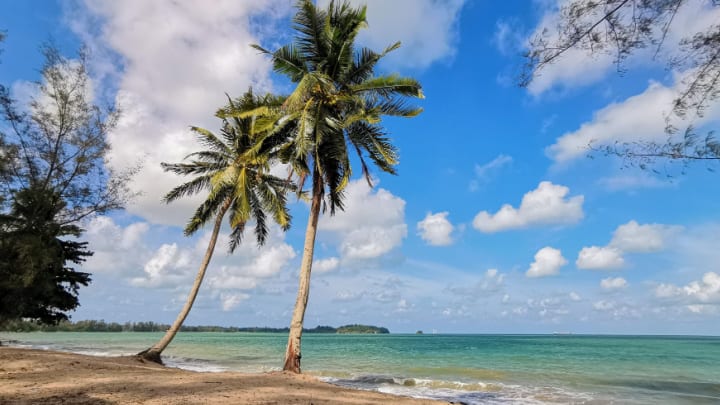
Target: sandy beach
{"type": "Point", "coordinates": [44, 377]}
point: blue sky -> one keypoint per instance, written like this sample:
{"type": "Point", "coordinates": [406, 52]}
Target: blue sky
{"type": "Point", "coordinates": [497, 222]}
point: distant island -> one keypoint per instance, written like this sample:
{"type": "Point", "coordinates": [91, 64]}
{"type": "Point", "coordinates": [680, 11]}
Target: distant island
{"type": "Point", "coordinates": [102, 326]}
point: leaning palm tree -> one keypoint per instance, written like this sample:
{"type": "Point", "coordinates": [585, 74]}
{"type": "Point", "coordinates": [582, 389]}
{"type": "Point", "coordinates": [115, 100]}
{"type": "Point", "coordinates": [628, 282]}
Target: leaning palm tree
{"type": "Point", "coordinates": [235, 172]}
{"type": "Point", "coordinates": [336, 107]}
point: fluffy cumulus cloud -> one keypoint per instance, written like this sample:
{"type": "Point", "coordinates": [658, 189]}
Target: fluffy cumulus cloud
{"type": "Point", "coordinates": [116, 249]}
{"type": "Point", "coordinates": [248, 265]}
{"type": "Point", "coordinates": [170, 76]}
{"type": "Point", "coordinates": [548, 262]}
{"type": "Point", "coordinates": [637, 238]}
{"type": "Point", "coordinates": [640, 118]}
{"type": "Point", "coordinates": [705, 291]}
{"type": "Point", "coordinates": [547, 204]}
{"type": "Point", "coordinates": [169, 266]}
{"type": "Point", "coordinates": [372, 224]}
{"type": "Point", "coordinates": [631, 237]}
{"type": "Point", "coordinates": [426, 28]}
{"type": "Point", "coordinates": [611, 283]}
{"type": "Point", "coordinates": [126, 253]}
{"type": "Point", "coordinates": [133, 258]}
{"type": "Point", "coordinates": [436, 229]}
{"type": "Point", "coordinates": [596, 257]}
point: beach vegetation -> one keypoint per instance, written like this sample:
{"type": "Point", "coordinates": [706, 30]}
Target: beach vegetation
{"type": "Point", "coordinates": [37, 255]}
{"type": "Point", "coordinates": [337, 106]}
{"type": "Point", "coordinates": [52, 178]}
{"type": "Point", "coordinates": [56, 140]}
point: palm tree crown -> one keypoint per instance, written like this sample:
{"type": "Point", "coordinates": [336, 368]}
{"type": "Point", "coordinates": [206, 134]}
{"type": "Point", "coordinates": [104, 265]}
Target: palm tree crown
{"type": "Point", "coordinates": [235, 169]}
{"type": "Point", "coordinates": [338, 102]}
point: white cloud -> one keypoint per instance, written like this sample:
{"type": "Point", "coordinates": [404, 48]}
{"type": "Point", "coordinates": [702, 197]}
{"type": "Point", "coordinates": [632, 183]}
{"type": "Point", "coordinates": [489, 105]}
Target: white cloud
{"type": "Point", "coordinates": [610, 283]}
{"type": "Point", "coordinates": [599, 258]}
{"type": "Point", "coordinates": [172, 75]}
{"type": "Point", "coordinates": [325, 265]}
{"type": "Point", "coordinates": [436, 229]}
{"type": "Point", "coordinates": [705, 291]}
{"type": "Point", "coordinates": [631, 237]}
{"type": "Point", "coordinates": [636, 238]}
{"type": "Point", "coordinates": [574, 296]}
{"type": "Point", "coordinates": [249, 264]}
{"type": "Point", "coordinates": [547, 262]}
{"type": "Point", "coordinates": [426, 28]}
{"type": "Point", "coordinates": [545, 205]}
{"type": "Point", "coordinates": [168, 267]}
{"type": "Point", "coordinates": [372, 224]}
{"type": "Point", "coordinates": [126, 253]}
{"type": "Point", "coordinates": [117, 250]}
{"type": "Point", "coordinates": [640, 118]}
{"type": "Point", "coordinates": [231, 301]}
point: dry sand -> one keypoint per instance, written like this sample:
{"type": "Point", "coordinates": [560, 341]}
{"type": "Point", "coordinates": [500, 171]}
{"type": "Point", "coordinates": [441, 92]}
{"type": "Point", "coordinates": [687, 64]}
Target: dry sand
{"type": "Point", "coordinates": [44, 377]}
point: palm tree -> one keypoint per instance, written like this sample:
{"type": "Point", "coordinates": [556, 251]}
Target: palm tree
{"type": "Point", "coordinates": [235, 171]}
{"type": "Point", "coordinates": [336, 106]}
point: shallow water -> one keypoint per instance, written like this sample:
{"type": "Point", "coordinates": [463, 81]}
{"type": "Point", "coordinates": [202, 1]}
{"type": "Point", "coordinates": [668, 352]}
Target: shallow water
{"type": "Point", "coordinates": [475, 369]}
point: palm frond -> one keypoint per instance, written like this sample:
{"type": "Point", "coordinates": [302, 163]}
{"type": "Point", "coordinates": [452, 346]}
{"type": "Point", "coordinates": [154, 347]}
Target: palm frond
{"type": "Point", "coordinates": [271, 191]}
{"type": "Point", "coordinates": [372, 140]}
{"type": "Point", "coordinates": [193, 186]}
{"type": "Point", "coordinates": [206, 211]}
{"type": "Point", "coordinates": [389, 86]}
{"type": "Point", "coordinates": [261, 227]}
{"type": "Point", "coordinates": [208, 139]}
{"type": "Point", "coordinates": [311, 39]}
{"type": "Point", "coordinates": [236, 237]}
{"type": "Point", "coordinates": [397, 107]}
{"type": "Point", "coordinates": [365, 62]}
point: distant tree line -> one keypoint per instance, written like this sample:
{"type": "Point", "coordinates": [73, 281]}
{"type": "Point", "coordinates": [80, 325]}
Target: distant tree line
{"type": "Point", "coordinates": [102, 326]}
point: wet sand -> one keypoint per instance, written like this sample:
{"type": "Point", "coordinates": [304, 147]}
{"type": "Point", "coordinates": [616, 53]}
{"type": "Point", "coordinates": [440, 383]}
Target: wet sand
{"type": "Point", "coordinates": [44, 377]}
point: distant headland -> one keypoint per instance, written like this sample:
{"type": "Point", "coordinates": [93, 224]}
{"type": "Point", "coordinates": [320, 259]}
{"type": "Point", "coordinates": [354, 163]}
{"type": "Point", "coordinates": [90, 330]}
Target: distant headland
{"type": "Point", "coordinates": [102, 326]}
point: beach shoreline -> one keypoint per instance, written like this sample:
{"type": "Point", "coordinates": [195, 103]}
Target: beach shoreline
{"type": "Point", "coordinates": [48, 377]}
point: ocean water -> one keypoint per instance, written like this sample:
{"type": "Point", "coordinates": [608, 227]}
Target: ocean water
{"type": "Point", "coordinates": [473, 369]}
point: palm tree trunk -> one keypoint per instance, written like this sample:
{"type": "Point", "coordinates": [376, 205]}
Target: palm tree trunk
{"type": "Point", "coordinates": [292, 354]}
{"type": "Point", "coordinates": [153, 353]}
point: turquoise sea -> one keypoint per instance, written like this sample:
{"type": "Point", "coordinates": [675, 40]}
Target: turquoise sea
{"type": "Point", "coordinates": [473, 369]}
